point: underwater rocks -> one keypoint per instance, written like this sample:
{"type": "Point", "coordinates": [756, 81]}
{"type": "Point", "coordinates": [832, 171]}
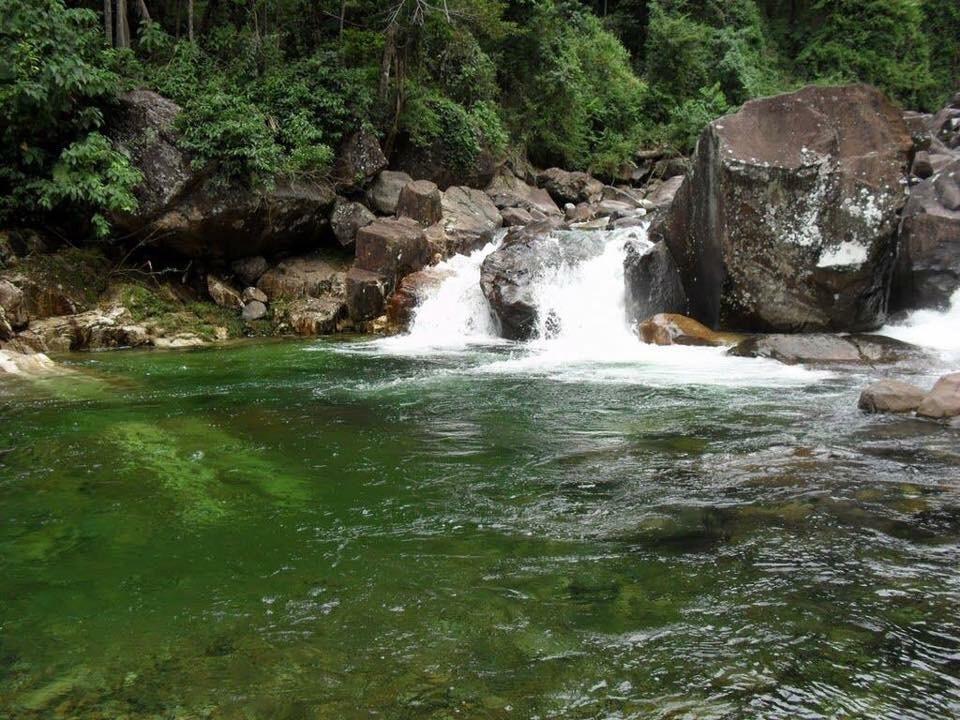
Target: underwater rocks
{"type": "Point", "coordinates": [788, 221]}
{"type": "Point", "coordinates": [27, 364]}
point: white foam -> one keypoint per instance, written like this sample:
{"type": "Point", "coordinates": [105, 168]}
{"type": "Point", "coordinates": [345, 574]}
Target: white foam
{"type": "Point", "coordinates": [931, 328]}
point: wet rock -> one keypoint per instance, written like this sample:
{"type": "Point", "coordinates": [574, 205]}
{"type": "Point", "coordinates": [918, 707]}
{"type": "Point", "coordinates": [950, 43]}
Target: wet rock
{"type": "Point", "coordinates": [516, 216]}
{"type": "Point", "coordinates": [196, 215]}
{"type": "Point", "coordinates": [347, 218]}
{"type": "Point", "coordinates": [572, 187]}
{"type": "Point", "coordinates": [578, 213]}
{"type": "Point", "coordinates": [509, 276]}
{"type": "Point", "coordinates": [601, 223]}
{"type": "Point", "coordinates": [365, 294]}
{"type": "Point", "coordinates": [253, 310]}
{"type": "Point", "coordinates": [674, 329]}
{"type": "Point", "coordinates": [413, 290]}
{"type": "Point", "coordinates": [420, 201]}
{"type": "Point", "coordinates": [468, 215]}
{"type": "Point", "coordinates": [392, 248]}
{"type": "Point", "coordinates": [28, 365]}
{"type": "Point", "coordinates": [662, 195]}
{"type": "Point", "coordinates": [826, 348]}
{"type": "Point", "coordinates": [652, 282]}
{"type": "Point", "coordinates": [928, 266]}
{"type": "Point", "coordinates": [384, 194]}
{"type": "Point", "coordinates": [890, 396]}
{"type": "Point", "coordinates": [222, 294]}
{"type": "Point", "coordinates": [180, 341]}
{"type": "Point", "coordinates": [944, 400]}
{"type": "Point", "coordinates": [615, 209]}
{"type": "Point", "coordinates": [788, 220]}
{"type": "Point", "coordinates": [252, 293]}
{"type": "Point", "coordinates": [306, 276]}
{"type": "Point", "coordinates": [316, 316]}
{"type": "Point", "coordinates": [249, 269]}
{"type": "Point", "coordinates": [359, 160]}
{"type": "Point", "coordinates": [506, 190]}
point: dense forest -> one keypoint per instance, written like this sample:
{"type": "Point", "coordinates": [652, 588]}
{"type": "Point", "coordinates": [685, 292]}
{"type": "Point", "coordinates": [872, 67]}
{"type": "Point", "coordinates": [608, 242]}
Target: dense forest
{"type": "Point", "coordinates": [269, 88]}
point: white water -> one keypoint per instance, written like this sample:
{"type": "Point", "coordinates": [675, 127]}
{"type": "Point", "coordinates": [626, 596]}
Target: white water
{"type": "Point", "coordinates": [932, 328]}
{"type": "Point", "coordinates": [586, 339]}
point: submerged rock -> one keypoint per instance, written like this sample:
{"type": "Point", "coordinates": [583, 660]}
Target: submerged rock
{"type": "Point", "coordinates": [890, 396]}
{"type": "Point", "coordinates": [30, 365]}
{"type": "Point", "coordinates": [652, 282]}
{"type": "Point", "coordinates": [673, 329]}
{"type": "Point", "coordinates": [788, 220]}
{"type": "Point", "coordinates": [943, 401]}
{"type": "Point", "coordinates": [826, 348]}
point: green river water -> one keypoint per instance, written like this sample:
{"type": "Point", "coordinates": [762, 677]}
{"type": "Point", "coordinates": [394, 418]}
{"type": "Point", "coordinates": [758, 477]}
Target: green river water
{"type": "Point", "coordinates": [317, 530]}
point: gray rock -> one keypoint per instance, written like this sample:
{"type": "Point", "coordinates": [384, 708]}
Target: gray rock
{"type": "Point", "coordinates": [420, 201]}
{"type": "Point", "coordinates": [506, 190]}
{"type": "Point", "coordinates": [366, 292]}
{"type": "Point", "coordinates": [254, 310]}
{"type": "Point", "coordinates": [572, 187]}
{"type": "Point", "coordinates": [359, 160]}
{"type": "Point", "coordinates": [249, 269]}
{"type": "Point", "coordinates": [825, 348]}
{"type": "Point", "coordinates": [252, 293]}
{"type": "Point", "coordinates": [315, 275]}
{"type": "Point", "coordinates": [347, 218]}
{"type": "Point", "coordinates": [384, 194]}
{"type": "Point", "coordinates": [516, 216]}
{"type": "Point", "coordinates": [788, 220]}
{"type": "Point", "coordinates": [469, 215]}
{"type": "Point", "coordinates": [652, 282]}
{"type": "Point", "coordinates": [392, 248]}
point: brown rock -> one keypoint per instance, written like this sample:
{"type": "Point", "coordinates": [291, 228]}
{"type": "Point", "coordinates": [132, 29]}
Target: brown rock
{"type": "Point", "coordinates": [516, 216]}
{"type": "Point", "coordinates": [573, 187]}
{"type": "Point", "coordinates": [252, 293]}
{"type": "Point", "coordinates": [413, 289]}
{"type": "Point", "coordinates": [11, 300]}
{"type": "Point", "coordinates": [222, 294]}
{"type": "Point", "coordinates": [506, 190]}
{"type": "Point", "coordinates": [944, 400]}
{"type": "Point", "coordinates": [671, 329]}
{"type": "Point", "coordinates": [250, 269]}
{"type": "Point", "coordinates": [91, 330]}
{"type": "Point", "coordinates": [890, 396]}
{"type": "Point", "coordinates": [307, 276]}
{"type": "Point", "coordinates": [788, 220]}
{"type": "Point", "coordinates": [420, 201]}
{"type": "Point", "coordinates": [392, 248]}
{"type": "Point", "coordinates": [316, 316]}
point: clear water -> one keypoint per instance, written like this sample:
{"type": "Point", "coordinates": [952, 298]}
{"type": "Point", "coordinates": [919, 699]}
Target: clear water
{"type": "Point", "coordinates": [576, 528]}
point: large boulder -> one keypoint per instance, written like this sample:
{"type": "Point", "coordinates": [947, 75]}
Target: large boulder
{"type": "Point", "coordinates": [316, 316]}
{"type": "Point", "coordinates": [91, 330]}
{"type": "Point", "coordinates": [392, 248]}
{"type": "Point", "coordinates": [384, 194]}
{"type": "Point", "coordinates": [469, 215]}
{"type": "Point", "coordinates": [420, 201]}
{"type": "Point", "coordinates": [365, 294]}
{"type": "Point", "coordinates": [27, 365]}
{"type": "Point", "coordinates": [944, 400]}
{"type": "Point", "coordinates": [788, 220]}
{"type": "Point", "coordinates": [197, 215]}
{"type": "Point", "coordinates": [890, 396]}
{"type": "Point", "coordinates": [359, 160]}
{"type": "Point", "coordinates": [652, 282]}
{"type": "Point", "coordinates": [413, 290]}
{"type": "Point", "coordinates": [314, 275]}
{"type": "Point", "coordinates": [510, 276]}
{"type": "Point", "coordinates": [570, 187]}
{"type": "Point", "coordinates": [928, 266]}
{"type": "Point", "coordinates": [11, 302]}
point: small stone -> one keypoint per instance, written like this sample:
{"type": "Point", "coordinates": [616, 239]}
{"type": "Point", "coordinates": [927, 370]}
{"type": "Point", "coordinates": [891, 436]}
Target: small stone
{"type": "Point", "coordinates": [254, 310]}
{"type": "Point", "coordinates": [252, 293]}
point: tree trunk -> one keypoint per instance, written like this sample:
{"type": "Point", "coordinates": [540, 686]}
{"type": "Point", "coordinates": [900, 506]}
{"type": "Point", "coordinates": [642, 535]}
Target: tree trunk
{"type": "Point", "coordinates": [343, 15]}
{"type": "Point", "coordinates": [108, 21]}
{"type": "Point", "coordinates": [190, 20]}
{"type": "Point", "coordinates": [143, 12]}
{"type": "Point", "coordinates": [123, 25]}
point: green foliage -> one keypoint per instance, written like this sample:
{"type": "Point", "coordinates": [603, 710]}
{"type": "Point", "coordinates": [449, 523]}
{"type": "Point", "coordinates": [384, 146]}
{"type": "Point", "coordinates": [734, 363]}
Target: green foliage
{"type": "Point", "coordinates": [55, 77]}
{"type": "Point", "coordinates": [877, 41]}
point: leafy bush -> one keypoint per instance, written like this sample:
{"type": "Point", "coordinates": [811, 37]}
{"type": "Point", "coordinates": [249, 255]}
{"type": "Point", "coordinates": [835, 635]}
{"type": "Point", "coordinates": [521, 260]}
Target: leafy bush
{"type": "Point", "coordinates": [54, 79]}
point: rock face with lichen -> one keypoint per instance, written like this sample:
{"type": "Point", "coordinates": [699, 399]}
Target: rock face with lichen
{"type": "Point", "coordinates": [788, 220]}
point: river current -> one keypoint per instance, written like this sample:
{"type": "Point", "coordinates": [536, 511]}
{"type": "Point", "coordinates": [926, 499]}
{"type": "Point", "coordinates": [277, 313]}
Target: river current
{"type": "Point", "coordinates": [445, 525]}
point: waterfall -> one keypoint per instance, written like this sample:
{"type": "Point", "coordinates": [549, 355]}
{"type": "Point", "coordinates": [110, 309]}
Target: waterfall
{"type": "Point", "coordinates": [939, 330]}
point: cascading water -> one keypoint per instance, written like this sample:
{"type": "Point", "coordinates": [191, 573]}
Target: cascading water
{"type": "Point", "coordinates": [582, 330]}
{"type": "Point", "coordinates": [935, 329]}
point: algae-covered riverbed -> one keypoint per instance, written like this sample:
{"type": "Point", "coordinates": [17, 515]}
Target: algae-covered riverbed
{"type": "Point", "coordinates": [335, 530]}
